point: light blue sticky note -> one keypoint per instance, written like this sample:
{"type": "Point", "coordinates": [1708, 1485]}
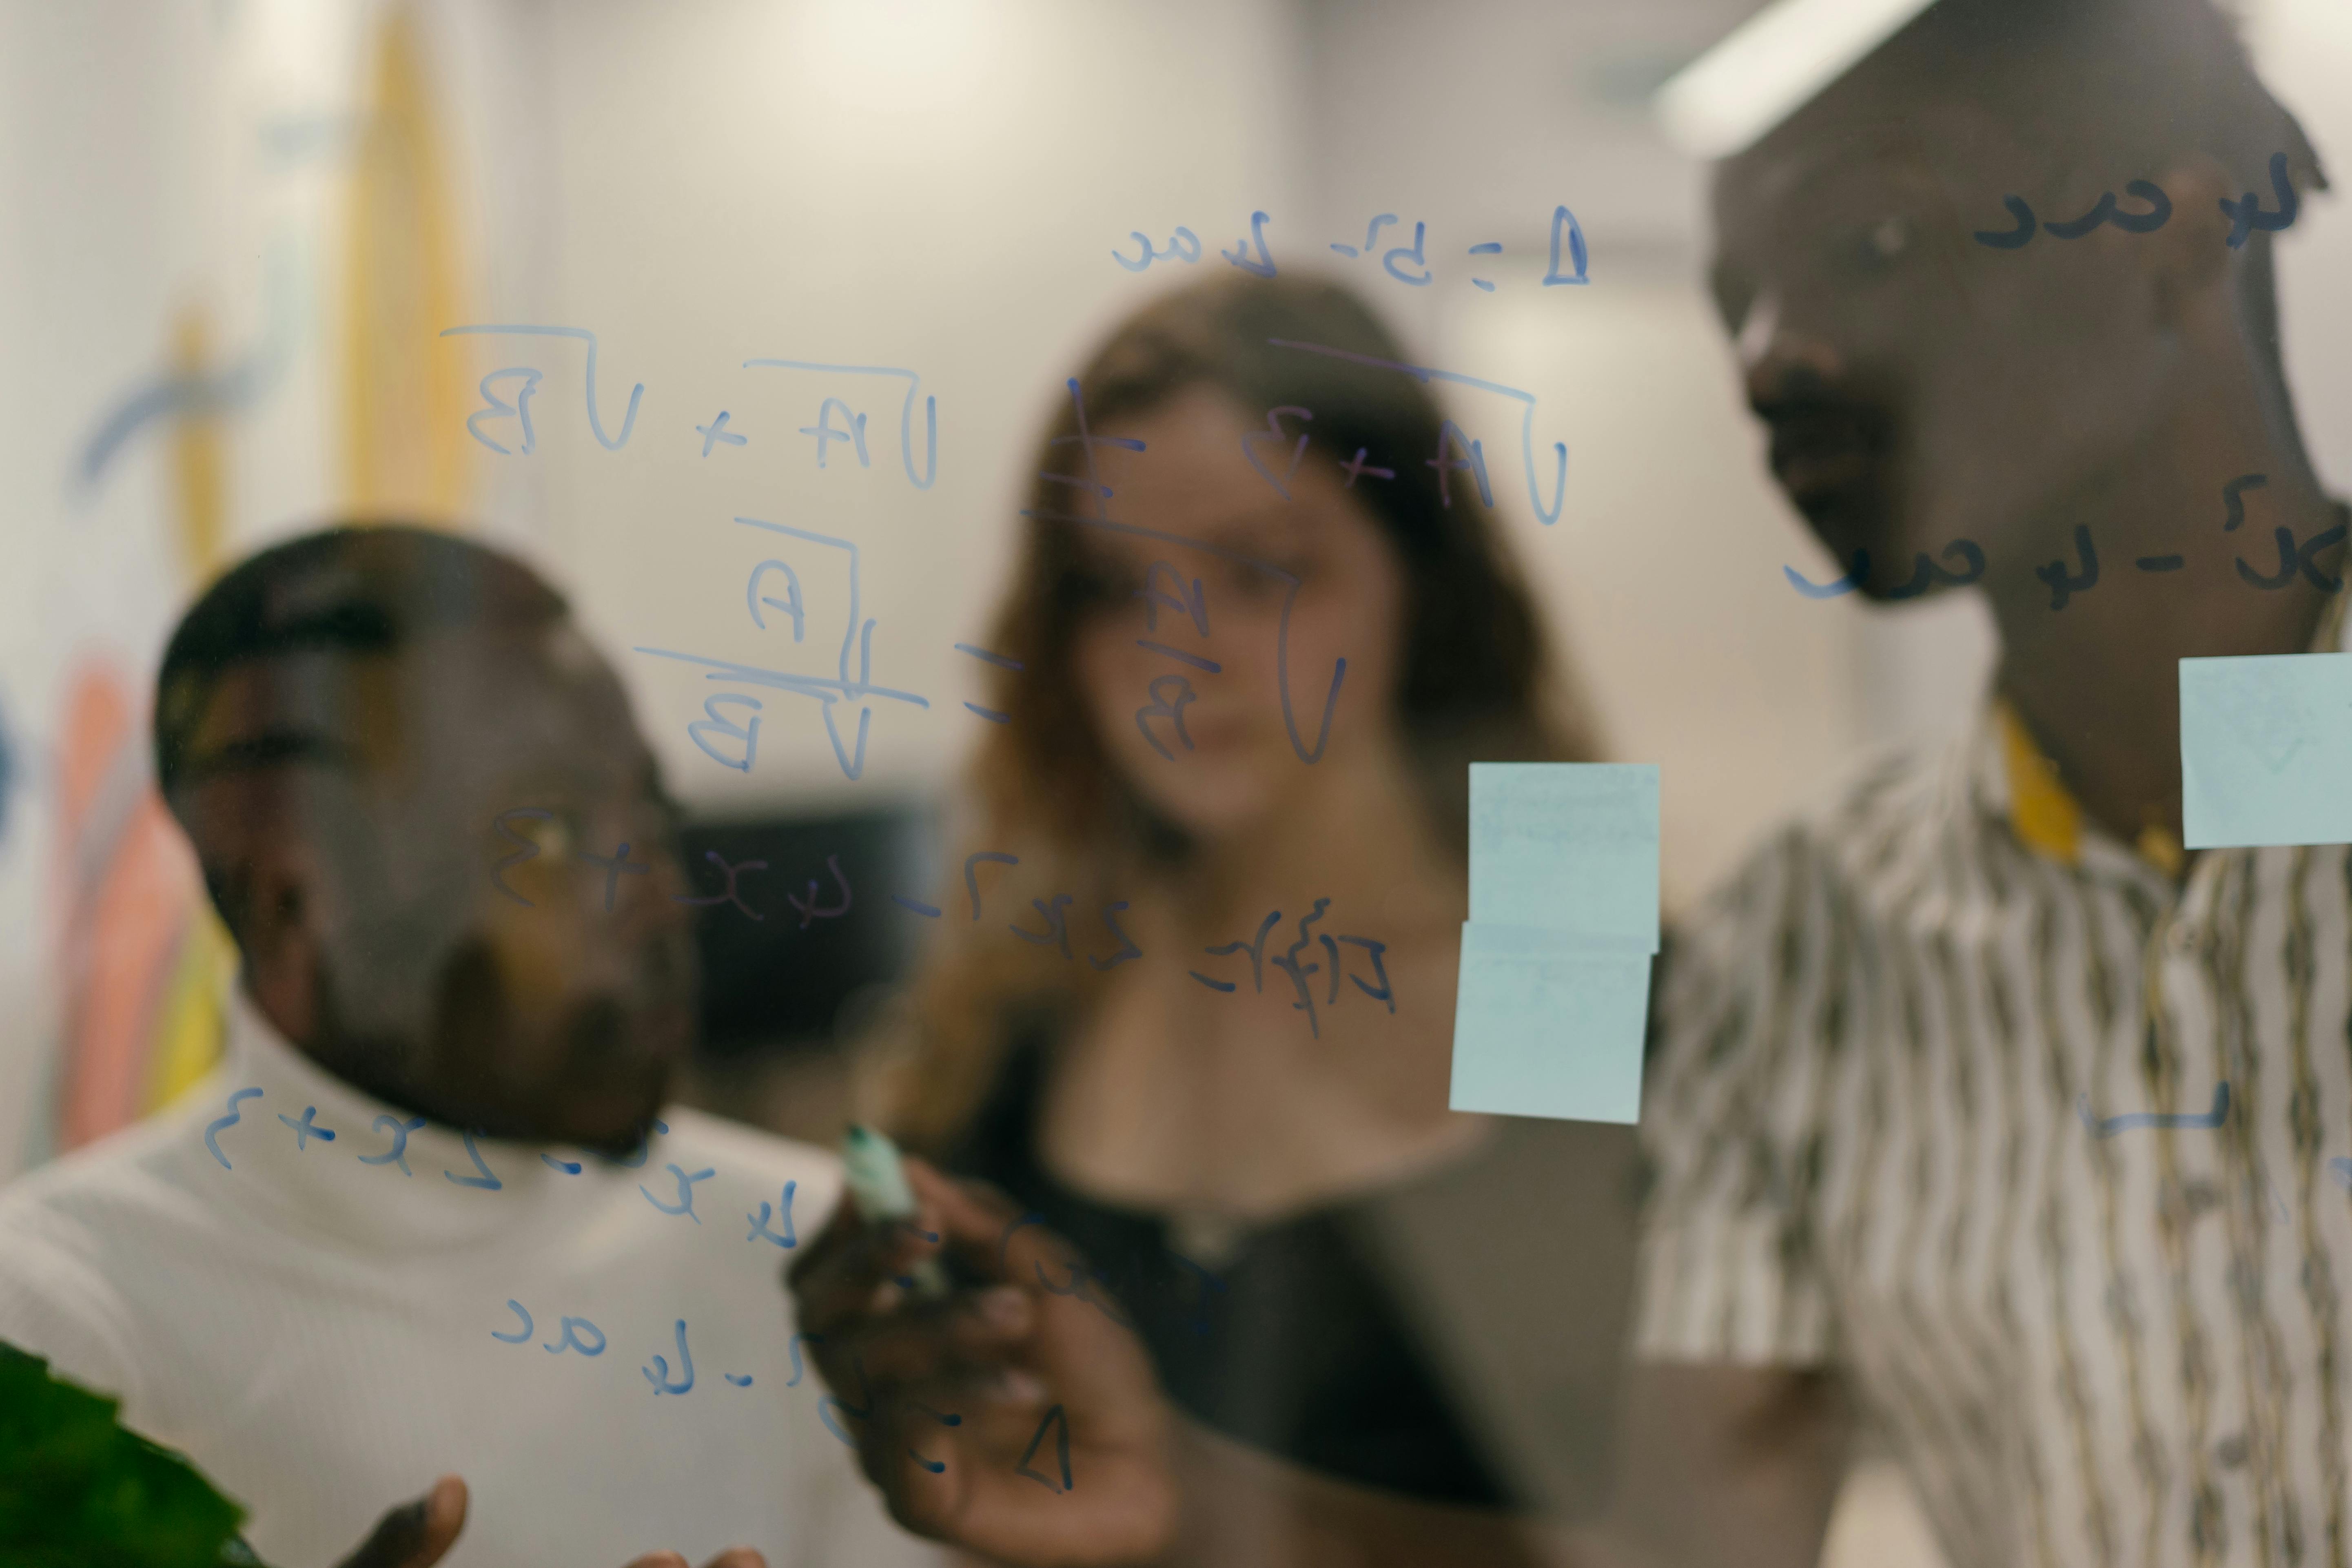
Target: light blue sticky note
{"type": "Point", "coordinates": [1566, 846]}
{"type": "Point", "coordinates": [1549, 1025]}
{"type": "Point", "coordinates": [2266, 751]}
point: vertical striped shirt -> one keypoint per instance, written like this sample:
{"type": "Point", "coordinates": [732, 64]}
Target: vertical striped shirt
{"type": "Point", "coordinates": [1902, 1118]}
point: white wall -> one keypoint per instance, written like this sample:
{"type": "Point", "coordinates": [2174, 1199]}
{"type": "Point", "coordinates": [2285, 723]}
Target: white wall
{"type": "Point", "coordinates": [98, 187]}
{"type": "Point", "coordinates": [161, 160]}
{"type": "Point", "coordinates": [2303, 48]}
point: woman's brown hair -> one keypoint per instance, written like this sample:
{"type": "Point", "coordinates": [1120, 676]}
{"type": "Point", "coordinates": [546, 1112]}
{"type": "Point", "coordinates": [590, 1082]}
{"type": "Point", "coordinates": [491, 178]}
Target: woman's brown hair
{"type": "Point", "coordinates": [1475, 681]}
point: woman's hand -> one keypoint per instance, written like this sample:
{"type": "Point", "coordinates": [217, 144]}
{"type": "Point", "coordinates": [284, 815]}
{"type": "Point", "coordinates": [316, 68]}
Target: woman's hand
{"type": "Point", "coordinates": [418, 1535]}
{"type": "Point", "coordinates": [1018, 1421]}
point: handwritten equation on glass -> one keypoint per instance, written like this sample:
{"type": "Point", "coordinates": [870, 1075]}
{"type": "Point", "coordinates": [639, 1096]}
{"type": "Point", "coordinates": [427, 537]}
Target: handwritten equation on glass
{"type": "Point", "coordinates": [1052, 916]}
{"type": "Point", "coordinates": [1964, 562]}
{"type": "Point", "coordinates": [771, 1224]}
{"type": "Point", "coordinates": [784, 589]}
{"type": "Point", "coordinates": [512, 420]}
{"type": "Point", "coordinates": [1407, 263]}
{"type": "Point", "coordinates": [396, 1131]}
{"type": "Point", "coordinates": [2245, 213]}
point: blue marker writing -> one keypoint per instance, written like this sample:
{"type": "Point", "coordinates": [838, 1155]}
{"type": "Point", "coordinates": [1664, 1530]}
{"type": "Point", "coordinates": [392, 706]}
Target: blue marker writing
{"type": "Point", "coordinates": [1273, 432]}
{"type": "Point", "coordinates": [759, 1230]}
{"type": "Point", "coordinates": [731, 895]}
{"type": "Point", "coordinates": [610, 443]}
{"type": "Point", "coordinates": [1059, 1424]}
{"type": "Point", "coordinates": [1527, 400]}
{"type": "Point", "coordinates": [685, 1204]}
{"type": "Point", "coordinates": [398, 1154]}
{"type": "Point", "coordinates": [658, 1374]}
{"type": "Point", "coordinates": [1371, 233]}
{"type": "Point", "coordinates": [810, 909]}
{"type": "Point", "coordinates": [571, 1339]}
{"type": "Point", "coordinates": [1561, 217]}
{"type": "Point", "coordinates": [214, 1128]}
{"type": "Point", "coordinates": [2247, 216]}
{"type": "Point", "coordinates": [486, 1181]}
{"type": "Point", "coordinates": [993, 715]}
{"type": "Point", "coordinates": [1412, 253]}
{"type": "Point", "coordinates": [615, 864]}
{"type": "Point", "coordinates": [790, 604]}
{"type": "Point", "coordinates": [906, 410]}
{"type": "Point", "coordinates": [496, 407]}
{"type": "Point", "coordinates": [1491, 248]}
{"type": "Point", "coordinates": [826, 434]}
{"type": "Point", "coordinates": [1855, 576]}
{"type": "Point", "coordinates": [1126, 947]}
{"type": "Point", "coordinates": [716, 431]}
{"type": "Point", "coordinates": [859, 635]}
{"type": "Point", "coordinates": [1182, 246]}
{"type": "Point", "coordinates": [2109, 1126]}
{"type": "Point", "coordinates": [1099, 518]}
{"type": "Point", "coordinates": [1239, 256]}
{"type": "Point", "coordinates": [306, 1129]}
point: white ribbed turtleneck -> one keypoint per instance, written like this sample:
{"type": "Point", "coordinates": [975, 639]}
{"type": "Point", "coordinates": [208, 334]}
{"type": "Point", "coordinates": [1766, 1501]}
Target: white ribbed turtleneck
{"type": "Point", "coordinates": [320, 1333]}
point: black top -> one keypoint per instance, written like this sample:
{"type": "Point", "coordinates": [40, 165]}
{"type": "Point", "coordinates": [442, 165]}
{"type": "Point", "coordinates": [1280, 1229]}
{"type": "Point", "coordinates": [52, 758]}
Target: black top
{"type": "Point", "coordinates": [1296, 1343]}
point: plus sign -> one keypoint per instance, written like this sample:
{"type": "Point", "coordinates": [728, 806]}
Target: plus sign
{"type": "Point", "coordinates": [615, 864]}
{"type": "Point", "coordinates": [1356, 466]}
{"type": "Point", "coordinates": [716, 431]}
{"type": "Point", "coordinates": [306, 1129]}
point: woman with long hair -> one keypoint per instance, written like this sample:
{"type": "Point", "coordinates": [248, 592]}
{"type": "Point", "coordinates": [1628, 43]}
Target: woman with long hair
{"type": "Point", "coordinates": [1192, 999]}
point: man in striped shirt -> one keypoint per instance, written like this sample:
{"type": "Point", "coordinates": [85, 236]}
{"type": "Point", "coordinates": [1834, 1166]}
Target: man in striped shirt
{"type": "Point", "coordinates": [1891, 1176]}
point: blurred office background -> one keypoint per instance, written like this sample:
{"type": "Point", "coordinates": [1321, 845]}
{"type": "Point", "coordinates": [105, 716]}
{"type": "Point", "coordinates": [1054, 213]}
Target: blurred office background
{"type": "Point", "coordinates": [230, 231]}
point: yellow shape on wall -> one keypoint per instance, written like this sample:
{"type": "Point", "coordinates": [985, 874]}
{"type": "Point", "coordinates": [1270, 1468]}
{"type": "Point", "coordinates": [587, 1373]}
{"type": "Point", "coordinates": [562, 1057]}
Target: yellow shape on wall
{"type": "Point", "coordinates": [192, 1024]}
{"type": "Point", "coordinates": [404, 385]}
{"type": "Point", "coordinates": [197, 464]}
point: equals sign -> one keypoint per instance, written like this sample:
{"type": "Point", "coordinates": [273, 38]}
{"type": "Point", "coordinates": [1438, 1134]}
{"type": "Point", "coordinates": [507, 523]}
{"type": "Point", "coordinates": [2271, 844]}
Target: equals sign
{"type": "Point", "coordinates": [991, 715]}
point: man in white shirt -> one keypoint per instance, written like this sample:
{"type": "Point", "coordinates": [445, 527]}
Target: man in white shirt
{"type": "Point", "coordinates": [430, 1215]}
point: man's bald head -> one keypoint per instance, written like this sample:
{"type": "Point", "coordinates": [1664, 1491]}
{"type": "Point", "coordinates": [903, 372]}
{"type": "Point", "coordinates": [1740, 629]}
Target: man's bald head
{"type": "Point", "coordinates": [344, 723]}
{"type": "Point", "coordinates": [354, 593]}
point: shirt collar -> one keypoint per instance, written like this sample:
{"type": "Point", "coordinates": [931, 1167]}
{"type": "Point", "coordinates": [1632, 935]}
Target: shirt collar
{"type": "Point", "coordinates": [2019, 785]}
{"type": "Point", "coordinates": [348, 1193]}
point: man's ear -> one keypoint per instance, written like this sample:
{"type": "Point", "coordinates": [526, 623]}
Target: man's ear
{"type": "Point", "coordinates": [269, 881]}
{"type": "Point", "coordinates": [2189, 256]}
{"type": "Point", "coordinates": [279, 937]}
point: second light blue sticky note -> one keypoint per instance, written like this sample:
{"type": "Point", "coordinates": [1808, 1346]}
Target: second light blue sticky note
{"type": "Point", "coordinates": [1555, 983]}
{"type": "Point", "coordinates": [1546, 1025]}
{"type": "Point", "coordinates": [2265, 750]}
{"type": "Point", "coordinates": [1566, 846]}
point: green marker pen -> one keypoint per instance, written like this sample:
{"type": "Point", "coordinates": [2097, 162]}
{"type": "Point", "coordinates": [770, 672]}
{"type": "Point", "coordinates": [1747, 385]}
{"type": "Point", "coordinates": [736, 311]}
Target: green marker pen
{"type": "Point", "coordinates": [878, 1185]}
